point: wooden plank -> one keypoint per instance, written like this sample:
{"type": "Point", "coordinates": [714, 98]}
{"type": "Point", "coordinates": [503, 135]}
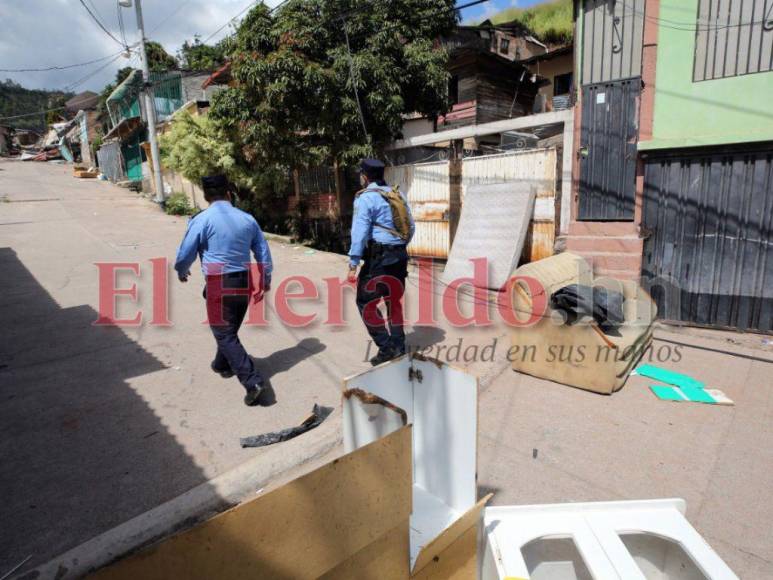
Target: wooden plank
{"type": "Point", "coordinates": [386, 558]}
{"type": "Point", "coordinates": [300, 530]}
{"type": "Point", "coordinates": [443, 550]}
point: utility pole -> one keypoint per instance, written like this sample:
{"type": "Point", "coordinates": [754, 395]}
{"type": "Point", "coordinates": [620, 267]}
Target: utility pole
{"type": "Point", "coordinates": [150, 107]}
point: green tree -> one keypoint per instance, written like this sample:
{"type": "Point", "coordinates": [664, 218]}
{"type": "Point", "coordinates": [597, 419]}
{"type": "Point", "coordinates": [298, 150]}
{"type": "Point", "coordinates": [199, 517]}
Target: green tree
{"type": "Point", "coordinates": [198, 56]}
{"type": "Point", "coordinates": [196, 147]}
{"type": "Point", "coordinates": [294, 103]}
{"type": "Point", "coordinates": [159, 60]}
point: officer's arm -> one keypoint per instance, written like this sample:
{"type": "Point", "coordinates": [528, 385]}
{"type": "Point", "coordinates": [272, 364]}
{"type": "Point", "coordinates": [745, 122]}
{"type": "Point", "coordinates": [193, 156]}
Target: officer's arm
{"type": "Point", "coordinates": [362, 227]}
{"type": "Point", "coordinates": [262, 255]}
{"type": "Point", "coordinates": [189, 248]}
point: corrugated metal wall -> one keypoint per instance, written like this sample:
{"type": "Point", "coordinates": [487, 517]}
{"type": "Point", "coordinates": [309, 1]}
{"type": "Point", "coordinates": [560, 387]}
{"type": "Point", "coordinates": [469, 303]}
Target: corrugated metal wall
{"type": "Point", "coordinates": [608, 135]}
{"type": "Point", "coordinates": [708, 257]}
{"type": "Point", "coordinates": [537, 166]}
{"type": "Point", "coordinates": [111, 161]}
{"type": "Point", "coordinates": [427, 187]}
{"type": "Point", "coordinates": [733, 38]}
{"type": "Point", "coordinates": [611, 39]}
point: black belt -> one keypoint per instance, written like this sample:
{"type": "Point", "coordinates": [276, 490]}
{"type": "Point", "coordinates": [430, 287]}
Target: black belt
{"type": "Point", "coordinates": [238, 274]}
{"type": "Point", "coordinates": [378, 247]}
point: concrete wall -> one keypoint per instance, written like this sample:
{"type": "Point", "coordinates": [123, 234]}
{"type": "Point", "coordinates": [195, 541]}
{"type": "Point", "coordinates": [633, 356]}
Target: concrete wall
{"type": "Point", "coordinates": [549, 69]}
{"type": "Point", "coordinates": [712, 112]}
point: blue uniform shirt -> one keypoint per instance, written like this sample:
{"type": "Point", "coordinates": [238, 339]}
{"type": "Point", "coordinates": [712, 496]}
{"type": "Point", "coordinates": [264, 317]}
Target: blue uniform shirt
{"type": "Point", "coordinates": [222, 236]}
{"type": "Point", "coordinates": [370, 209]}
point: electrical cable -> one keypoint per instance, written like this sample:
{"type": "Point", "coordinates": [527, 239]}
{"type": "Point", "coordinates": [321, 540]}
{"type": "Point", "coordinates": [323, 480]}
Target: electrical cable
{"type": "Point", "coordinates": [65, 67]}
{"type": "Point", "coordinates": [242, 11]}
{"type": "Point", "coordinates": [120, 21]}
{"type": "Point", "coordinates": [82, 80]}
{"type": "Point", "coordinates": [168, 16]}
{"type": "Point", "coordinates": [102, 26]}
{"type": "Point", "coordinates": [689, 26]}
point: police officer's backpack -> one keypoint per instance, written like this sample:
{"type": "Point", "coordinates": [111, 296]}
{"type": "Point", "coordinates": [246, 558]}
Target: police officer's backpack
{"type": "Point", "coordinates": [400, 214]}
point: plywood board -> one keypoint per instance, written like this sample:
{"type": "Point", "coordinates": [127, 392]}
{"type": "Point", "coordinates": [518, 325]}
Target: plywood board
{"type": "Point", "coordinates": [301, 530]}
{"type": "Point", "coordinates": [459, 561]}
{"type": "Point", "coordinates": [439, 548]}
{"type": "Point", "coordinates": [386, 558]}
{"type": "Point", "coordinates": [494, 223]}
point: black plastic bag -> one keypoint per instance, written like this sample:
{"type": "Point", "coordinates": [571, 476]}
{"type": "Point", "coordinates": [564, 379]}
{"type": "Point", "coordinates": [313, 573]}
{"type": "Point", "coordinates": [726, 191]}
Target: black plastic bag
{"type": "Point", "coordinates": [318, 414]}
{"type": "Point", "coordinates": [604, 306]}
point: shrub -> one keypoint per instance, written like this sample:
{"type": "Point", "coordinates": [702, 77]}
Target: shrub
{"type": "Point", "coordinates": [550, 21]}
{"type": "Point", "coordinates": [178, 204]}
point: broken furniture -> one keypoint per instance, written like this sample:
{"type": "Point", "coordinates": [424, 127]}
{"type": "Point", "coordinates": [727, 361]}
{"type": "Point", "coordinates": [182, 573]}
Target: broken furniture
{"type": "Point", "coordinates": [580, 354]}
{"type": "Point", "coordinates": [441, 403]}
{"type": "Point", "coordinates": [624, 540]}
{"type": "Point", "coordinates": [401, 505]}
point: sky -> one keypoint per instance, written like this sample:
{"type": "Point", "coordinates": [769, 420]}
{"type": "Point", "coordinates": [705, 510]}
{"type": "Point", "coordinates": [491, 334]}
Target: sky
{"type": "Point", "coordinates": [45, 33]}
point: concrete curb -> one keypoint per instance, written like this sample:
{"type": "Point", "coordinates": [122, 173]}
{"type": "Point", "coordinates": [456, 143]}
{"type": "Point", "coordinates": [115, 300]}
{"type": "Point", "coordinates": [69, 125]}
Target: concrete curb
{"type": "Point", "coordinates": [192, 507]}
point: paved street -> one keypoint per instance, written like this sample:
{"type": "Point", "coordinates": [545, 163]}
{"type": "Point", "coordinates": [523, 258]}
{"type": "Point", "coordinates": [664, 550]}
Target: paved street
{"type": "Point", "coordinates": [99, 424]}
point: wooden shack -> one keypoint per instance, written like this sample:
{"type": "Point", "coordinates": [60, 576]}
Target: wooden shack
{"type": "Point", "coordinates": [486, 87]}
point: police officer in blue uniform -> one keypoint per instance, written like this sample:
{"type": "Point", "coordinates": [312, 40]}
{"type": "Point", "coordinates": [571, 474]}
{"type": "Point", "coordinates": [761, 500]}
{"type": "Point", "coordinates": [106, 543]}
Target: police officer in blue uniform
{"type": "Point", "coordinates": [385, 263]}
{"type": "Point", "coordinates": [223, 236]}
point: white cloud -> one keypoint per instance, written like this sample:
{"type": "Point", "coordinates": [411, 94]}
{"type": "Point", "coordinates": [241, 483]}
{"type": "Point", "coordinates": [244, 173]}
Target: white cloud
{"type": "Point", "coordinates": [41, 33]}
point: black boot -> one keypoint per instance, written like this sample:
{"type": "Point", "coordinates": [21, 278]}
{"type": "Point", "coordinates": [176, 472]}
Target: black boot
{"type": "Point", "coordinates": [385, 355]}
{"type": "Point", "coordinates": [252, 397]}
{"type": "Point", "coordinates": [226, 374]}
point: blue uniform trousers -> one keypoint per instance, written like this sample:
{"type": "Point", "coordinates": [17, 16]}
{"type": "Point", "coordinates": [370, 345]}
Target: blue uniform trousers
{"type": "Point", "coordinates": [382, 276]}
{"type": "Point", "coordinates": [226, 313]}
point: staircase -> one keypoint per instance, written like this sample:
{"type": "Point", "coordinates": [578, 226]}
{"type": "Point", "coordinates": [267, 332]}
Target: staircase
{"type": "Point", "coordinates": [613, 248]}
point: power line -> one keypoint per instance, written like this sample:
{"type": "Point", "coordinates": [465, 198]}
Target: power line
{"type": "Point", "coordinates": [698, 26]}
{"type": "Point", "coordinates": [168, 16]}
{"type": "Point", "coordinates": [65, 67]}
{"type": "Point", "coordinates": [120, 22]}
{"type": "Point", "coordinates": [93, 73]}
{"type": "Point", "coordinates": [99, 23]}
{"type": "Point", "coordinates": [242, 11]}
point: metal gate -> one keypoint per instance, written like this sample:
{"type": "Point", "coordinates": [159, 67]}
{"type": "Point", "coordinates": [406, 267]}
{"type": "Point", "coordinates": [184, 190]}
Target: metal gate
{"type": "Point", "coordinates": [608, 134]}
{"type": "Point", "coordinates": [707, 259]}
{"type": "Point", "coordinates": [111, 161]}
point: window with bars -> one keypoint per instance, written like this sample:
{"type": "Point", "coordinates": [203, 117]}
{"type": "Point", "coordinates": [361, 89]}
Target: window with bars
{"type": "Point", "coordinates": [733, 37]}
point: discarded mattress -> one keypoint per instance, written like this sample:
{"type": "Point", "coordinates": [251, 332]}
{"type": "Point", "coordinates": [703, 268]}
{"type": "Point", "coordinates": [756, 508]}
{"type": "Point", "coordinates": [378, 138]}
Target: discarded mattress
{"type": "Point", "coordinates": [494, 222]}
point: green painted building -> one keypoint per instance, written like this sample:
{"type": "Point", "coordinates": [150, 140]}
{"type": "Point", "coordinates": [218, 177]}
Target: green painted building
{"type": "Point", "coordinates": [674, 179]}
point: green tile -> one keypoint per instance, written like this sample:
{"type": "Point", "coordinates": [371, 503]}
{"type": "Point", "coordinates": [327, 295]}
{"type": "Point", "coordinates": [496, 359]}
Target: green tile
{"type": "Point", "coordinates": [666, 393]}
{"type": "Point", "coordinates": [667, 376]}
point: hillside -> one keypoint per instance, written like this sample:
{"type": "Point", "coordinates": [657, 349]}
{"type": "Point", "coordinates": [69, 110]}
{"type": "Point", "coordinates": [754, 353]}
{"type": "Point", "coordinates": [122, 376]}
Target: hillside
{"type": "Point", "coordinates": [550, 22]}
{"type": "Point", "coordinates": [16, 100]}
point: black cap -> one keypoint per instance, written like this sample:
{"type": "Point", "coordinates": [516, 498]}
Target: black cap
{"type": "Point", "coordinates": [212, 181]}
{"type": "Point", "coordinates": [372, 166]}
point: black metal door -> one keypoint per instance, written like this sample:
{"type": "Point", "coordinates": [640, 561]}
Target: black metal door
{"type": "Point", "coordinates": [608, 133]}
{"type": "Point", "coordinates": [707, 258]}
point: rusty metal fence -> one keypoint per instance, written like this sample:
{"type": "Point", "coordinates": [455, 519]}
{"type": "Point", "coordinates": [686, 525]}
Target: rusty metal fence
{"type": "Point", "coordinates": [428, 189]}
